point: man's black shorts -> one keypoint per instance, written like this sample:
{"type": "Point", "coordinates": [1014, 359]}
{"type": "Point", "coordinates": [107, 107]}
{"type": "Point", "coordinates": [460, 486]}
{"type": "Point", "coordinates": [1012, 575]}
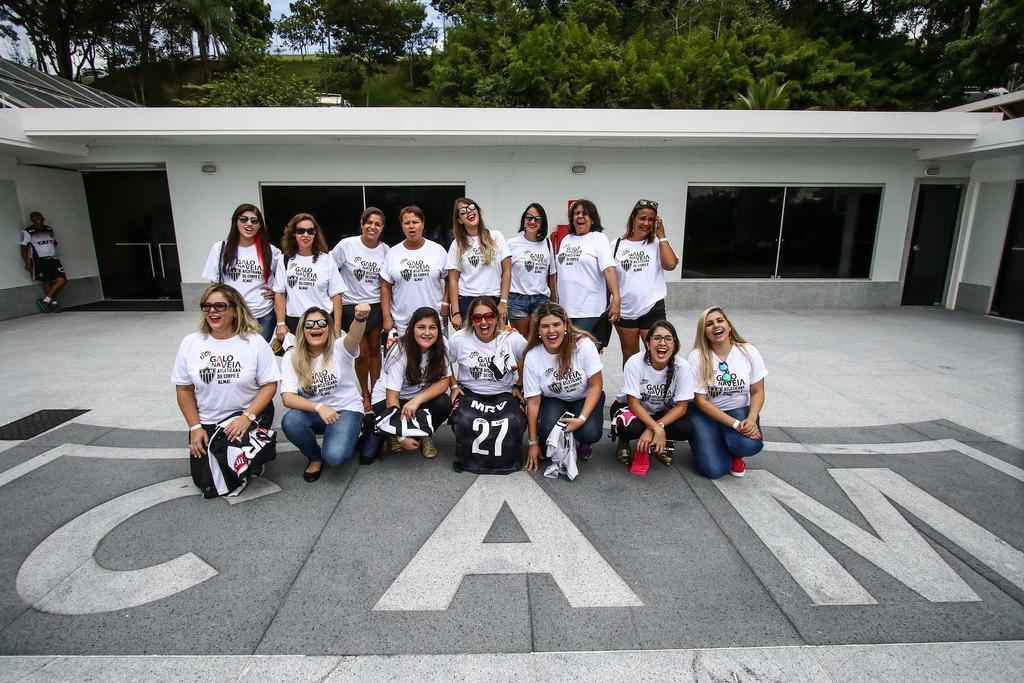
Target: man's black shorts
{"type": "Point", "coordinates": [374, 322]}
{"type": "Point", "coordinates": [48, 269]}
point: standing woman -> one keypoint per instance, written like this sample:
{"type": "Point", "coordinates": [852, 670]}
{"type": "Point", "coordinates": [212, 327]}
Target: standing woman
{"type": "Point", "coordinates": [360, 258]}
{"type": "Point", "coordinates": [652, 402]}
{"type": "Point", "coordinates": [413, 275]}
{"type": "Point", "coordinates": [222, 369]}
{"type": "Point", "coordinates": [319, 385]}
{"type": "Point", "coordinates": [562, 373]}
{"type": "Point", "coordinates": [642, 256]}
{"type": "Point", "coordinates": [415, 378]}
{"type": "Point", "coordinates": [307, 276]}
{"type": "Point", "coordinates": [533, 269]}
{"type": "Point", "coordinates": [479, 262]}
{"type": "Point", "coordinates": [729, 375]}
{"type": "Point", "coordinates": [247, 261]}
{"type": "Point", "coordinates": [588, 287]}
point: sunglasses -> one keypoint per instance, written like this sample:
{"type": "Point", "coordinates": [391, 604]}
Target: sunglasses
{"type": "Point", "coordinates": [481, 317]}
{"type": "Point", "coordinates": [305, 231]}
{"type": "Point", "coordinates": [314, 324]}
{"type": "Point", "coordinates": [646, 204]}
{"type": "Point", "coordinates": [658, 338]}
{"type": "Point", "coordinates": [254, 220]}
{"type": "Point", "coordinates": [531, 219]}
{"type": "Point", "coordinates": [218, 306]}
{"type": "Point", "coordinates": [468, 208]}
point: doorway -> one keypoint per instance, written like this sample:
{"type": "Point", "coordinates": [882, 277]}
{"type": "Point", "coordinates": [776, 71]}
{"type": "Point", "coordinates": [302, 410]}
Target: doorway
{"type": "Point", "coordinates": [1008, 302]}
{"type": "Point", "coordinates": [133, 230]}
{"type": "Point", "coordinates": [935, 223]}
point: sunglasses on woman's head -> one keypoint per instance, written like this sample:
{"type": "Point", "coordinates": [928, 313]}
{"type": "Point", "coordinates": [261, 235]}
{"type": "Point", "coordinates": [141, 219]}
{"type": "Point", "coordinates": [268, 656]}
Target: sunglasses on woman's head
{"type": "Point", "coordinates": [254, 220]}
{"type": "Point", "coordinates": [305, 231]}
{"type": "Point", "coordinates": [646, 204]}
{"type": "Point", "coordinates": [480, 317]}
{"type": "Point", "coordinates": [218, 306]}
{"type": "Point", "coordinates": [463, 210]}
{"type": "Point", "coordinates": [313, 324]}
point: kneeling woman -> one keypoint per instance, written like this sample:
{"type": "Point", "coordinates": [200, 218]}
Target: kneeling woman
{"type": "Point", "coordinates": [656, 386]}
{"type": "Point", "coordinates": [562, 373]}
{"type": "Point", "coordinates": [729, 396]}
{"type": "Point", "coordinates": [415, 379]}
{"type": "Point", "coordinates": [488, 421]}
{"type": "Point", "coordinates": [319, 385]}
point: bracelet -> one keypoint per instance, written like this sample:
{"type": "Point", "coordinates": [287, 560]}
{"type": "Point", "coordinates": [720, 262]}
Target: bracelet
{"type": "Point", "coordinates": [661, 424]}
{"type": "Point", "coordinates": [503, 301]}
{"type": "Point", "coordinates": [735, 423]}
{"type": "Point", "coordinates": [282, 324]}
{"type": "Point", "coordinates": [531, 442]}
{"type": "Point", "coordinates": [195, 428]}
{"type": "Point", "coordinates": [250, 416]}
{"type": "Point", "coordinates": [662, 239]}
{"type": "Point", "coordinates": [318, 406]}
{"type": "Point", "coordinates": [362, 320]}
{"type": "Point", "coordinates": [445, 303]}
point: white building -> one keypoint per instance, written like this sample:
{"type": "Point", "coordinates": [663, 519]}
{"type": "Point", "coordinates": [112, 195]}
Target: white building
{"type": "Point", "coordinates": [767, 208]}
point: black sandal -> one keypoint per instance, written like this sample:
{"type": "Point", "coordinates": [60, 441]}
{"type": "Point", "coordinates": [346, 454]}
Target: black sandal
{"type": "Point", "coordinates": [312, 476]}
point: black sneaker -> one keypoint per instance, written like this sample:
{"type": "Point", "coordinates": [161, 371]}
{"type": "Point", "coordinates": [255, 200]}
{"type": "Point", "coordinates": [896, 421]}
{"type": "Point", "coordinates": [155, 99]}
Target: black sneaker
{"type": "Point", "coordinates": [53, 307]}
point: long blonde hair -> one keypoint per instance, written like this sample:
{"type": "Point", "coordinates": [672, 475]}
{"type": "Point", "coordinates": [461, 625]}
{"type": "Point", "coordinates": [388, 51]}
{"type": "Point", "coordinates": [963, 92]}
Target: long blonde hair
{"type": "Point", "coordinates": [245, 321]}
{"type": "Point", "coordinates": [461, 236]}
{"type": "Point", "coordinates": [303, 356]}
{"type": "Point", "coordinates": [703, 347]}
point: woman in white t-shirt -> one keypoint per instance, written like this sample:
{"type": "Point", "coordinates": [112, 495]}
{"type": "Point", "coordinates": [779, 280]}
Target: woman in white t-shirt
{"type": "Point", "coordinates": [642, 256]}
{"type": "Point", "coordinates": [588, 287]}
{"type": "Point", "coordinates": [307, 276]}
{"type": "Point", "coordinates": [562, 373]}
{"type": "Point", "coordinates": [414, 274]}
{"type": "Point", "coordinates": [360, 258]}
{"type": "Point", "coordinates": [318, 384]}
{"type": "Point", "coordinates": [223, 369]}
{"type": "Point", "coordinates": [479, 262]}
{"type": "Point", "coordinates": [729, 374]}
{"type": "Point", "coordinates": [533, 269]}
{"type": "Point", "coordinates": [415, 378]}
{"type": "Point", "coordinates": [247, 261]}
{"type": "Point", "coordinates": [651, 405]}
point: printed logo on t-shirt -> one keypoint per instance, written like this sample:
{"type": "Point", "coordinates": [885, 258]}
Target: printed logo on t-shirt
{"type": "Point", "coordinates": [367, 270]}
{"type": "Point", "coordinates": [324, 382]}
{"type": "Point", "coordinates": [474, 257]}
{"type": "Point", "coordinates": [246, 270]}
{"type": "Point", "coordinates": [301, 277]}
{"type": "Point", "coordinates": [480, 365]}
{"type": "Point", "coordinates": [726, 382]}
{"type": "Point", "coordinates": [535, 262]}
{"type": "Point", "coordinates": [567, 383]}
{"type": "Point", "coordinates": [652, 393]}
{"type": "Point", "coordinates": [414, 270]}
{"type": "Point", "coordinates": [219, 369]}
{"type": "Point", "coordinates": [570, 255]}
{"type": "Point", "coordinates": [634, 261]}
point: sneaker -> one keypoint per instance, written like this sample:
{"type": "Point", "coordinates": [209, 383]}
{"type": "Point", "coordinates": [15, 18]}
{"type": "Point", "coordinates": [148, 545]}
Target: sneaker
{"type": "Point", "coordinates": [428, 448]}
{"type": "Point", "coordinates": [42, 306]}
{"type": "Point", "coordinates": [53, 307]}
{"type": "Point", "coordinates": [393, 445]}
{"type": "Point", "coordinates": [739, 468]}
{"type": "Point", "coordinates": [665, 457]}
{"type": "Point", "coordinates": [622, 451]}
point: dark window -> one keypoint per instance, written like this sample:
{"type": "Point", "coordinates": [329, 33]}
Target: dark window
{"type": "Point", "coordinates": [336, 208]}
{"type": "Point", "coordinates": [731, 231]}
{"type": "Point", "coordinates": [829, 231]}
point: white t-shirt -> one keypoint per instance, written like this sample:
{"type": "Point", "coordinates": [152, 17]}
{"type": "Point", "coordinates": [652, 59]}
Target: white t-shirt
{"type": "Point", "coordinates": [226, 373]}
{"type": "Point", "coordinates": [476, 277]}
{"type": "Point", "coordinates": [541, 372]}
{"type": "Point", "coordinates": [245, 275]}
{"type": "Point", "coordinates": [532, 262]}
{"type": "Point", "coordinates": [650, 386]}
{"type": "Point", "coordinates": [44, 244]}
{"type": "Point", "coordinates": [641, 278]}
{"type": "Point", "coordinates": [392, 376]}
{"type": "Point", "coordinates": [474, 358]}
{"type": "Point", "coordinates": [307, 283]}
{"type": "Point", "coordinates": [360, 269]}
{"type": "Point", "coordinates": [417, 278]}
{"type": "Point", "coordinates": [335, 386]}
{"type": "Point", "coordinates": [730, 385]}
{"type": "Point", "coordinates": [582, 261]}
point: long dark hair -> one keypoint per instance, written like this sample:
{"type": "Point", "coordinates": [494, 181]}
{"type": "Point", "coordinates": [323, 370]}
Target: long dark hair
{"type": "Point", "coordinates": [542, 232]}
{"type": "Point", "coordinates": [637, 208]}
{"type": "Point", "coordinates": [671, 367]}
{"type": "Point", "coordinates": [569, 342]}
{"type": "Point", "coordinates": [289, 245]}
{"type": "Point", "coordinates": [487, 249]}
{"type": "Point", "coordinates": [590, 209]}
{"type": "Point", "coordinates": [437, 355]}
{"type": "Point", "coordinates": [230, 252]}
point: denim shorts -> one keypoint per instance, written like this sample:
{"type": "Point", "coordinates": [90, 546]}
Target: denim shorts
{"type": "Point", "coordinates": [521, 306]}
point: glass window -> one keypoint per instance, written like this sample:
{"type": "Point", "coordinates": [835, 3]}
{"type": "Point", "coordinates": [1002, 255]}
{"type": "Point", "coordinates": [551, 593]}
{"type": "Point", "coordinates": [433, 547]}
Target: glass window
{"type": "Point", "coordinates": [829, 231]}
{"type": "Point", "coordinates": [731, 231]}
{"type": "Point", "coordinates": [336, 208]}
{"type": "Point", "coordinates": [435, 200]}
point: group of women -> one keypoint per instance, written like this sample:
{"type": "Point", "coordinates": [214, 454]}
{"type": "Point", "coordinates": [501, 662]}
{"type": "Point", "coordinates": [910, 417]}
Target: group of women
{"type": "Point", "coordinates": [530, 322]}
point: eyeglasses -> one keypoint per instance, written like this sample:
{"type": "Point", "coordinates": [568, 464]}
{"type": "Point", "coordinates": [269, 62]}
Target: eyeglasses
{"type": "Point", "coordinates": [481, 317]}
{"type": "Point", "coordinates": [313, 324]}
{"type": "Point", "coordinates": [468, 208]}
{"type": "Point", "coordinates": [646, 204]}
{"type": "Point", "coordinates": [531, 219]}
{"type": "Point", "coordinates": [218, 306]}
{"type": "Point", "coordinates": [305, 231]}
{"type": "Point", "coordinates": [658, 338]}
{"type": "Point", "coordinates": [254, 220]}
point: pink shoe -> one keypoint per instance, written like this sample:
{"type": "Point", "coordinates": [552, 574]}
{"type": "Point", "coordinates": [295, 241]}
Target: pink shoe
{"type": "Point", "coordinates": [641, 462]}
{"type": "Point", "coordinates": [739, 468]}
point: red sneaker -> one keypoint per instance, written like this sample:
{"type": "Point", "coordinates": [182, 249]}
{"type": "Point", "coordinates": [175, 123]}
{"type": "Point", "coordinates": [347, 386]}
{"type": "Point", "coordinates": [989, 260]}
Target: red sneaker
{"type": "Point", "coordinates": [739, 468]}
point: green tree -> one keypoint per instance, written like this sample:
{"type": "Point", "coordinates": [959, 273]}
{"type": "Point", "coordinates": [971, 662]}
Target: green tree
{"type": "Point", "coordinates": [252, 18]}
{"type": "Point", "coordinates": [261, 84]}
{"type": "Point", "coordinates": [765, 93]}
{"type": "Point", "coordinates": [211, 20]}
{"type": "Point", "coordinates": [59, 30]}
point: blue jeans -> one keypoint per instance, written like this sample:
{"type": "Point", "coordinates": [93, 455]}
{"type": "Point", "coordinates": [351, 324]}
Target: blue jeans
{"type": "Point", "coordinates": [301, 428]}
{"type": "Point", "coordinates": [552, 408]}
{"type": "Point", "coordinates": [268, 325]}
{"type": "Point", "coordinates": [714, 444]}
{"type": "Point", "coordinates": [522, 306]}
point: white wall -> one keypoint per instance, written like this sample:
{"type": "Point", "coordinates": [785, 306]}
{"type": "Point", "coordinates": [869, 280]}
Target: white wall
{"type": "Point", "coordinates": [996, 178]}
{"type": "Point", "coordinates": [60, 196]}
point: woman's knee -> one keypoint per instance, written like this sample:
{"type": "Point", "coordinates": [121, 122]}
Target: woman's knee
{"type": "Point", "coordinates": [712, 468]}
{"type": "Point", "coordinates": [743, 447]}
{"type": "Point", "coordinates": [294, 421]}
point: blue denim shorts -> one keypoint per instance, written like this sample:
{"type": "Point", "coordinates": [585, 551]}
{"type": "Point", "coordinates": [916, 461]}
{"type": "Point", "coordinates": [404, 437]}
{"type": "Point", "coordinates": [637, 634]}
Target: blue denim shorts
{"type": "Point", "coordinates": [521, 306]}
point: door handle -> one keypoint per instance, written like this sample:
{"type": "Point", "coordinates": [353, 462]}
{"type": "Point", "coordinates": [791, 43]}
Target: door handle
{"type": "Point", "coordinates": [916, 247]}
{"type": "Point", "coordinates": [149, 253]}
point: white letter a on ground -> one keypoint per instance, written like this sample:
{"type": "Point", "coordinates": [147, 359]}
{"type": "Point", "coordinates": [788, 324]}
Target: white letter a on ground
{"type": "Point", "coordinates": [456, 548]}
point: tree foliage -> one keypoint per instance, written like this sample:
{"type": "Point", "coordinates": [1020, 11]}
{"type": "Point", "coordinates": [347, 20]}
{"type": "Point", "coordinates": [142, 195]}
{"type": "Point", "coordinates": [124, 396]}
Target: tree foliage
{"type": "Point", "coordinates": [259, 83]}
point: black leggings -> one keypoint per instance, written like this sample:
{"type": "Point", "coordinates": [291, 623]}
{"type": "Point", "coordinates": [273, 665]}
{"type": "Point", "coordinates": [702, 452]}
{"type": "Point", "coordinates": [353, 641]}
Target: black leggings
{"type": "Point", "coordinates": [676, 431]}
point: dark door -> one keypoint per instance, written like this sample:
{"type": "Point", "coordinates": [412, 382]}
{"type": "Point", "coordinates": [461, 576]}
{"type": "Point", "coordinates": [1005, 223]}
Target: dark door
{"type": "Point", "coordinates": [133, 230]}
{"type": "Point", "coordinates": [1009, 297]}
{"type": "Point", "coordinates": [938, 208]}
